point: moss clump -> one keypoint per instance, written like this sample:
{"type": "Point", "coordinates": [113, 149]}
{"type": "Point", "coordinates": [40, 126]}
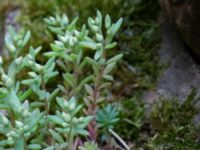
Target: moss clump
{"type": "Point", "coordinates": [173, 124]}
{"type": "Point", "coordinates": [133, 114]}
{"type": "Point", "coordinates": [170, 125]}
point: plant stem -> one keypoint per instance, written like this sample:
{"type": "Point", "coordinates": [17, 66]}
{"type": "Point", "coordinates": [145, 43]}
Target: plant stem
{"type": "Point", "coordinates": [25, 145]}
{"type": "Point", "coordinates": [49, 140]}
{"type": "Point", "coordinates": [46, 101]}
{"type": "Point", "coordinates": [92, 127]}
{"type": "Point", "coordinates": [70, 137]}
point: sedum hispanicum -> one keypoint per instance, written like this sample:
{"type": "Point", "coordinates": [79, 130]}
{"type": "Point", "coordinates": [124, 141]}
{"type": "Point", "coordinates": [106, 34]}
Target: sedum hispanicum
{"type": "Point", "coordinates": [36, 116]}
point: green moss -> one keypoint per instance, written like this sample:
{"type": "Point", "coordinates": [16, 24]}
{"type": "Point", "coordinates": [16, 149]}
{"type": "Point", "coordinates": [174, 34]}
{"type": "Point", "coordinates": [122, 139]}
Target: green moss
{"type": "Point", "coordinates": [143, 55]}
{"type": "Point", "coordinates": [133, 116]}
{"type": "Point", "coordinates": [173, 124]}
{"type": "Point", "coordinates": [170, 126]}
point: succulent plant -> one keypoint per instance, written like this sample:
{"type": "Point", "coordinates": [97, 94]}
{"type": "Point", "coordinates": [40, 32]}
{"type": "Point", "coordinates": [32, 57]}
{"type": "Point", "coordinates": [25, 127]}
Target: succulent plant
{"type": "Point", "coordinates": [41, 117]}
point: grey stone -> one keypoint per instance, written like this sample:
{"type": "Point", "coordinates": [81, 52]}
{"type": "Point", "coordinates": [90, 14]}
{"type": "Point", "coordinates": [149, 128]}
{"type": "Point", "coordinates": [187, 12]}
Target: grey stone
{"type": "Point", "coordinates": [182, 73]}
{"type": "Point", "coordinates": [7, 19]}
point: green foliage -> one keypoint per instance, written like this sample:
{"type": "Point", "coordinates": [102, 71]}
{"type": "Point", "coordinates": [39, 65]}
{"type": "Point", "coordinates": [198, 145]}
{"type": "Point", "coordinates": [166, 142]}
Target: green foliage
{"type": "Point", "coordinates": [133, 114]}
{"type": "Point", "coordinates": [107, 117]}
{"type": "Point", "coordinates": [173, 123]}
{"type": "Point", "coordinates": [139, 26]}
{"type": "Point", "coordinates": [41, 117]}
{"type": "Point", "coordinates": [69, 49]}
{"type": "Point", "coordinates": [22, 121]}
{"type": "Point", "coordinates": [67, 123]}
{"type": "Point", "coordinates": [144, 55]}
{"type": "Point", "coordinates": [89, 146]}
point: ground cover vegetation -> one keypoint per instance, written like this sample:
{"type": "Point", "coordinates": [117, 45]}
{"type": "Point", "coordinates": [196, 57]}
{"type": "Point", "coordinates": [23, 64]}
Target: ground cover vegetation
{"type": "Point", "coordinates": [81, 89]}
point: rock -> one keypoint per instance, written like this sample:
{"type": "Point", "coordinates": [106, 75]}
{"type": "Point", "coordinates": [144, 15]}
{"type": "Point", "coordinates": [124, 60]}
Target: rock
{"type": "Point", "coordinates": [7, 19]}
{"type": "Point", "coordinates": [185, 16]}
{"type": "Point", "coordinates": [10, 20]}
{"type": "Point", "coordinates": [182, 73]}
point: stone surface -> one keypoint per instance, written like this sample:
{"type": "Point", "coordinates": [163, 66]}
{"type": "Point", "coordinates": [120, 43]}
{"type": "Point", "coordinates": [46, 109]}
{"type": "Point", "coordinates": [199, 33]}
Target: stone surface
{"type": "Point", "coordinates": [185, 16]}
{"type": "Point", "coordinates": [7, 19]}
{"type": "Point", "coordinates": [182, 73]}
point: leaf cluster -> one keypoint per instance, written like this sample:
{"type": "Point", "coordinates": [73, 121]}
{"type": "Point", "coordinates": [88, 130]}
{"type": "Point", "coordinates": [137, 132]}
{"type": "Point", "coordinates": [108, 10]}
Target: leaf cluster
{"type": "Point", "coordinates": [60, 126]}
